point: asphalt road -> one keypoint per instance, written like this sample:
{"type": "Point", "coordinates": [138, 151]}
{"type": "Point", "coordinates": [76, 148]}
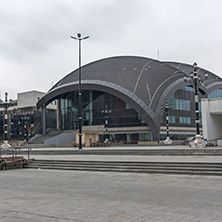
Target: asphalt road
{"type": "Point", "coordinates": [45, 195]}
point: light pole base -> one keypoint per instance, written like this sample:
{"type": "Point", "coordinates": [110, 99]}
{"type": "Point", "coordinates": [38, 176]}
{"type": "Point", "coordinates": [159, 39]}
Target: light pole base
{"type": "Point", "coordinates": [5, 145]}
{"type": "Point", "coordinates": [106, 140]}
{"type": "Point", "coordinates": [168, 140]}
{"type": "Point", "coordinates": [198, 142]}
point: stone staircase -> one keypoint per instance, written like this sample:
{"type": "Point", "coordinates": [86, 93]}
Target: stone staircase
{"type": "Point", "coordinates": [213, 169]}
{"type": "Point", "coordinates": [122, 151]}
{"type": "Point", "coordinates": [40, 138]}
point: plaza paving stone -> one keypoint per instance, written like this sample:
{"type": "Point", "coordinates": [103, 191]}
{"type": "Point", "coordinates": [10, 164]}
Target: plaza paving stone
{"type": "Point", "coordinates": [56, 195]}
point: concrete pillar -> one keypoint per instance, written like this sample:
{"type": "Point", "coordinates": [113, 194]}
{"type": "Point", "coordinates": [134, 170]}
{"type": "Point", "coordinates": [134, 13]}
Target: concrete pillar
{"type": "Point", "coordinates": [58, 121]}
{"type": "Point", "coordinates": [44, 120]}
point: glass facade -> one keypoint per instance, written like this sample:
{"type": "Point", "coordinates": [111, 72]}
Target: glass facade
{"type": "Point", "coordinates": [172, 119]}
{"type": "Point", "coordinates": [182, 112]}
{"type": "Point", "coordinates": [184, 120]}
{"type": "Point", "coordinates": [182, 108]}
{"type": "Point", "coordinates": [121, 114]}
{"type": "Point", "coordinates": [25, 123]}
{"type": "Point", "coordinates": [215, 94]}
{"type": "Point", "coordinates": [94, 102]}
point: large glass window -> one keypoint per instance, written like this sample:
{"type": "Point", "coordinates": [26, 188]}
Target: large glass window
{"type": "Point", "coordinates": [187, 88]}
{"type": "Point", "coordinates": [180, 104]}
{"type": "Point", "coordinates": [144, 137]}
{"type": "Point", "coordinates": [215, 94]}
{"type": "Point", "coordinates": [183, 107]}
{"type": "Point", "coordinates": [119, 114]}
{"type": "Point", "coordinates": [172, 119]}
{"type": "Point", "coordinates": [184, 120]}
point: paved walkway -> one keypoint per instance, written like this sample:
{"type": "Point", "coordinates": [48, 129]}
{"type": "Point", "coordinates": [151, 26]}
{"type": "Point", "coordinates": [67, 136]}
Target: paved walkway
{"type": "Point", "coordinates": [59, 196]}
{"type": "Point", "coordinates": [56, 195]}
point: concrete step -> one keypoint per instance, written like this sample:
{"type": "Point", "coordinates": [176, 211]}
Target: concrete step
{"type": "Point", "coordinates": [134, 167]}
{"type": "Point", "coordinates": [128, 163]}
{"type": "Point", "coordinates": [135, 152]}
{"type": "Point", "coordinates": [128, 167]}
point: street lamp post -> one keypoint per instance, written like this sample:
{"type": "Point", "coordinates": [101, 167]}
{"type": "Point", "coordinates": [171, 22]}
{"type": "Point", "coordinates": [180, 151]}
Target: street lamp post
{"type": "Point", "coordinates": [25, 125]}
{"type": "Point", "coordinates": [6, 104]}
{"type": "Point", "coordinates": [106, 112]}
{"type": "Point", "coordinates": [167, 140]}
{"type": "Point", "coordinates": [196, 80]}
{"type": "Point", "coordinates": [79, 90]}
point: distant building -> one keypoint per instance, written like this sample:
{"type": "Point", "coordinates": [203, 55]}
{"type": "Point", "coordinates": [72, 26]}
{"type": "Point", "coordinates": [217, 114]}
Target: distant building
{"type": "Point", "coordinates": [212, 119]}
{"type": "Point", "coordinates": [135, 90]}
{"type": "Point", "coordinates": [24, 120]}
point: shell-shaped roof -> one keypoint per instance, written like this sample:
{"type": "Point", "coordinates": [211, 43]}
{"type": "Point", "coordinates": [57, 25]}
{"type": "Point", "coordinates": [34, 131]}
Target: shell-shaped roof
{"type": "Point", "coordinates": [146, 78]}
{"type": "Point", "coordinates": [142, 82]}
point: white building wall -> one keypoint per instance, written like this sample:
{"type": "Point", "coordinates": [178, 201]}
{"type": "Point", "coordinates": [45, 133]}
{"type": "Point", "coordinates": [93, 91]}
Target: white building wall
{"type": "Point", "coordinates": [29, 99]}
{"type": "Point", "coordinates": [212, 118]}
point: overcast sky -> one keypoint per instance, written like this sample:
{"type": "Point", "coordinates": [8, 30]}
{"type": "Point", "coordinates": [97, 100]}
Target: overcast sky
{"type": "Point", "coordinates": [36, 50]}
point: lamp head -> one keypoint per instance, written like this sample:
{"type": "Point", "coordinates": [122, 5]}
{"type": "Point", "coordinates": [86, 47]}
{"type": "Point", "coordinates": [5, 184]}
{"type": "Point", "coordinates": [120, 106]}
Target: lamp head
{"type": "Point", "coordinates": [79, 35]}
{"type": "Point", "coordinates": [195, 65]}
{"type": "Point", "coordinates": [6, 97]}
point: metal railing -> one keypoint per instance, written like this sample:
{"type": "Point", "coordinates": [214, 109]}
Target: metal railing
{"type": "Point", "coordinates": [14, 152]}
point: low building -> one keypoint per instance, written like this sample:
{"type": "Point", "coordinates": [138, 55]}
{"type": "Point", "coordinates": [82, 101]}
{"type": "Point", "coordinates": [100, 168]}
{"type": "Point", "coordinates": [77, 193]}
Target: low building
{"type": "Point", "coordinates": [23, 119]}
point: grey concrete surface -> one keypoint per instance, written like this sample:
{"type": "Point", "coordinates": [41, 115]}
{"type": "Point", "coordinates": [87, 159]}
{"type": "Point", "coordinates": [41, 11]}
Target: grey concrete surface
{"type": "Point", "coordinates": [44, 195]}
{"type": "Point", "coordinates": [131, 158]}
{"type": "Point", "coordinates": [122, 147]}
{"type": "Point", "coordinates": [127, 157]}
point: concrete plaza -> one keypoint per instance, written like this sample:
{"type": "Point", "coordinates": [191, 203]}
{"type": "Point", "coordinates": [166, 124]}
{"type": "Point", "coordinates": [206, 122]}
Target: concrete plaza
{"type": "Point", "coordinates": [56, 195]}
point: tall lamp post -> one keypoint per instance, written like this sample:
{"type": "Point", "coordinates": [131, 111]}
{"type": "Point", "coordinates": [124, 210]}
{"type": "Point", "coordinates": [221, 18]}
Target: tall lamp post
{"type": "Point", "coordinates": [196, 81]}
{"type": "Point", "coordinates": [79, 38]}
{"type": "Point", "coordinates": [167, 107]}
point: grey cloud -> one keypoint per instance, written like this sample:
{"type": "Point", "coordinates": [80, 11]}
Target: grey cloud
{"type": "Point", "coordinates": [35, 34]}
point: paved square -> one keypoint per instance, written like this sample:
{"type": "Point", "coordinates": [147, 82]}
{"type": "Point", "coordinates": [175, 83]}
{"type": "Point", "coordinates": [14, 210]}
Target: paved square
{"type": "Point", "coordinates": [53, 195]}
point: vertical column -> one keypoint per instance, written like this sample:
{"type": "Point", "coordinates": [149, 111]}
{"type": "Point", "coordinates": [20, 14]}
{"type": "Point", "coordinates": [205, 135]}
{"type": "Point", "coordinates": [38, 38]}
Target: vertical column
{"type": "Point", "coordinates": [167, 118]}
{"type": "Point", "coordinates": [90, 107]}
{"type": "Point", "coordinates": [195, 78]}
{"type": "Point", "coordinates": [25, 128]}
{"type": "Point", "coordinates": [80, 96]}
{"type": "Point", "coordinates": [58, 119]}
{"type": "Point", "coordinates": [44, 120]}
{"type": "Point", "coordinates": [167, 140]}
{"type": "Point", "coordinates": [106, 124]}
{"type": "Point", "coordinates": [6, 125]}
{"type": "Point", "coordinates": [6, 116]}
{"type": "Point", "coordinates": [106, 113]}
